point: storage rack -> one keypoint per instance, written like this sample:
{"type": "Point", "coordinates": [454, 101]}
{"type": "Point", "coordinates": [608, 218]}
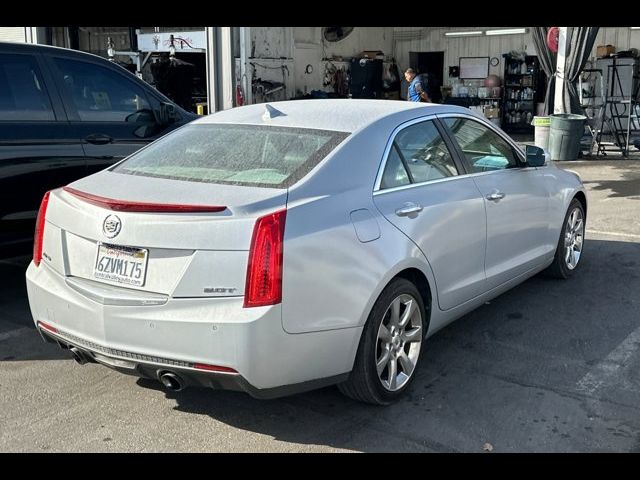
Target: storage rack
{"type": "Point", "coordinates": [523, 88]}
{"type": "Point", "coordinates": [474, 101]}
{"type": "Point", "coordinates": [592, 94]}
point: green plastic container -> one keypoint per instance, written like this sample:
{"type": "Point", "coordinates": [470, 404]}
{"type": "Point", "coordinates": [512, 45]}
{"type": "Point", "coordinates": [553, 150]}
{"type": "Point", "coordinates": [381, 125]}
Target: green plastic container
{"type": "Point", "coordinates": [564, 136]}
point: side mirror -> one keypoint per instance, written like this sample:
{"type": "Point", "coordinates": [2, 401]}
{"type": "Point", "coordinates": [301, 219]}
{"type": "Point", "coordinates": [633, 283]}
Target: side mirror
{"type": "Point", "coordinates": [168, 113]}
{"type": "Point", "coordinates": [536, 156]}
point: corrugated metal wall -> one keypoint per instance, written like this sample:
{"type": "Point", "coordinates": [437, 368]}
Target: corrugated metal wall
{"type": "Point", "coordinates": [622, 37]}
{"type": "Point", "coordinates": [277, 42]}
{"type": "Point", "coordinates": [426, 39]}
{"type": "Point", "coordinates": [434, 40]}
{"type": "Point", "coordinates": [94, 39]}
{"type": "Point", "coordinates": [12, 34]}
{"type": "Point", "coordinates": [305, 46]}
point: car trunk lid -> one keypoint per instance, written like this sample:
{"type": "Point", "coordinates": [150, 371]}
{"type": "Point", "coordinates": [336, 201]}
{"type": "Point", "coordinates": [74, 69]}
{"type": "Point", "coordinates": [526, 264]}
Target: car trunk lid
{"type": "Point", "coordinates": [188, 238]}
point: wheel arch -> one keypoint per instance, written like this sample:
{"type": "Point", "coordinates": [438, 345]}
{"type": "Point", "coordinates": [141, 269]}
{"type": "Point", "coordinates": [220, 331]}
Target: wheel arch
{"type": "Point", "coordinates": [416, 275]}
{"type": "Point", "coordinates": [582, 198]}
{"type": "Point", "coordinates": [420, 280]}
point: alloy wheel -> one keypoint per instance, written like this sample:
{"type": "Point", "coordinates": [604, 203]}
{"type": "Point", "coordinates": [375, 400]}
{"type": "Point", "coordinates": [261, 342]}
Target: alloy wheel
{"type": "Point", "coordinates": [398, 342]}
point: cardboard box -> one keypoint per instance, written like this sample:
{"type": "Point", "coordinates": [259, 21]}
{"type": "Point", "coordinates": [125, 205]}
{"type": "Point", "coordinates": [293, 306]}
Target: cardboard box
{"type": "Point", "coordinates": [492, 112]}
{"type": "Point", "coordinates": [605, 50]}
{"type": "Point", "coordinates": [373, 54]}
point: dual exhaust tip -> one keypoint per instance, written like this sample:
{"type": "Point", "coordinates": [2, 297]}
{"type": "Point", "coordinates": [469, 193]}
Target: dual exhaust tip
{"type": "Point", "coordinates": [79, 356]}
{"type": "Point", "coordinates": [170, 380]}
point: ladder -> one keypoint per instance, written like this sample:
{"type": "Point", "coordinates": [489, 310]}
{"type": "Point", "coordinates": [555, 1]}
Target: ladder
{"type": "Point", "coordinates": [590, 81]}
{"type": "Point", "coordinates": [619, 115]}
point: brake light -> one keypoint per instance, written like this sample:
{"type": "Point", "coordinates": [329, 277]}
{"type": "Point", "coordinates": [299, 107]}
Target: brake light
{"type": "Point", "coordinates": [264, 269]}
{"type": "Point", "coordinates": [131, 206]}
{"type": "Point", "coordinates": [39, 233]}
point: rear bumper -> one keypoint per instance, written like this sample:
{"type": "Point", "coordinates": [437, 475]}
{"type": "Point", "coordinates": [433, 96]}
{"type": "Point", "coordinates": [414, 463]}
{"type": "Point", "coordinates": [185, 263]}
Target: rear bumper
{"type": "Point", "coordinates": [150, 339]}
{"type": "Point", "coordinates": [148, 367]}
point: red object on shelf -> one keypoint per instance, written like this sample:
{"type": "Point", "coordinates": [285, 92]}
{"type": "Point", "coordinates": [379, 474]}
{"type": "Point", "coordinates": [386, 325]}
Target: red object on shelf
{"type": "Point", "coordinates": [239, 96]}
{"type": "Point", "coordinates": [552, 39]}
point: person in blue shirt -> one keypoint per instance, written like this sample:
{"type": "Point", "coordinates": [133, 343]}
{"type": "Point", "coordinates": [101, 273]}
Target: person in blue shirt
{"type": "Point", "coordinates": [416, 92]}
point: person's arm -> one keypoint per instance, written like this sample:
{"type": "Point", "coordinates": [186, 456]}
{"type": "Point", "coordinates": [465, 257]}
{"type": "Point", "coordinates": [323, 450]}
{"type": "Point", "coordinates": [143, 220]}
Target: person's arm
{"type": "Point", "coordinates": [423, 94]}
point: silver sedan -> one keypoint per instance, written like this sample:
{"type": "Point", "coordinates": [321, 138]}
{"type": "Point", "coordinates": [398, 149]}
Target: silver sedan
{"type": "Point", "coordinates": [279, 248]}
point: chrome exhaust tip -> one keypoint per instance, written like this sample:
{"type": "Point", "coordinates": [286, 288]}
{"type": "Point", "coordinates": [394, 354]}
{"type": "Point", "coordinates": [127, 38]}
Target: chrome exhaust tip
{"type": "Point", "coordinates": [171, 381]}
{"type": "Point", "coordinates": [78, 356]}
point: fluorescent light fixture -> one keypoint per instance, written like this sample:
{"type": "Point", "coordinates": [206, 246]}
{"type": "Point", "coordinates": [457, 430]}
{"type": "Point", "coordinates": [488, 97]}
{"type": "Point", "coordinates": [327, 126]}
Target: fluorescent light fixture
{"type": "Point", "coordinates": [506, 31]}
{"type": "Point", "coordinates": [463, 33]}
{"type": "Point", "coordinates": [634, 28]}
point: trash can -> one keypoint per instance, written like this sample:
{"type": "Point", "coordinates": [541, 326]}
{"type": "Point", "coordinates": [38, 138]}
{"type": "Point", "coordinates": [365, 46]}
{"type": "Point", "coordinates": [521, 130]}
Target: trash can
{"type": "Point", "coordinates": [564, 135]}
{"type": "Point", "coordinates": [541, 131]}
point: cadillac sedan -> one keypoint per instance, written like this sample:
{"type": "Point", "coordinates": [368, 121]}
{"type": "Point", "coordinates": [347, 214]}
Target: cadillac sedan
{"type": "Point", "coordinates": [284, 247]}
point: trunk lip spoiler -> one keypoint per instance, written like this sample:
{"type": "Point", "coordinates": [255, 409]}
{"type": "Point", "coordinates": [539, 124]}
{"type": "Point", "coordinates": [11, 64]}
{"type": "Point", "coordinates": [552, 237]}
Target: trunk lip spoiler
{"type": "Point", "coordinates": [135, 206]}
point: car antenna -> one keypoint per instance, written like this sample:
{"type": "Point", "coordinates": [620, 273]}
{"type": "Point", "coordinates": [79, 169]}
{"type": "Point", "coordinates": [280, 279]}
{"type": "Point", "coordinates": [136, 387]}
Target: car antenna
{"type": "Point", "coordinates": [271, 112]}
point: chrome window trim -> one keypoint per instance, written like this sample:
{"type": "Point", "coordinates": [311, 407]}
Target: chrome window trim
{"type": "Point", "coordinates": [413, 185]}
{"type": "Point", "coordinates": [385, 156]}
{"type": "Point", "coordinates": [387, 149]}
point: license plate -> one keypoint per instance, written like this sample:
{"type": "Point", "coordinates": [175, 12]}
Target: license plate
{"type": "Point", "coordinates": [125, 265]}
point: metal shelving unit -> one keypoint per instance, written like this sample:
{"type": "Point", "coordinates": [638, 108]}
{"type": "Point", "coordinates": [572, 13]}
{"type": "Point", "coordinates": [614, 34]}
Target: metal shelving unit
{"type": "Point", "coordinates": [523, 83]}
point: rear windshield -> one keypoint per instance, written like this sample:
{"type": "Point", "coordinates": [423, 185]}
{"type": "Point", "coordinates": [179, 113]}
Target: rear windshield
{"type": "Point", "coordinates": [251, 155]}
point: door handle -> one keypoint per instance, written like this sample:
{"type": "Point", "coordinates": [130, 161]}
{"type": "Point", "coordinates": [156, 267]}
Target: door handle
{"type": "Point", "coordinates": [409, 208]}
{"type": "Point", "coordinates": [495, 196]}
{"type": "Point", "coordinates": [98, 139]}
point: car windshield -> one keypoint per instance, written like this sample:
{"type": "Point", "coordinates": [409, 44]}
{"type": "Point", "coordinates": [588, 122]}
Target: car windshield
{"type": "Point", "coordinates": [251, 155]}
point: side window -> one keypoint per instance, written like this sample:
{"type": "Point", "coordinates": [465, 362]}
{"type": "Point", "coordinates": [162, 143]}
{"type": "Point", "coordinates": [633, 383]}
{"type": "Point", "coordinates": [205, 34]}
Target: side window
{"type": "Point", "coordinates": [484, 150]}
{"type": "Point", "coordinates": [418, 155]}
{"type": "Point", "coordinates": [23, 96]}
{"type": "Point", "coordinates": [395, 175]}
{"type": "Point", "coordinates": [101, 95]}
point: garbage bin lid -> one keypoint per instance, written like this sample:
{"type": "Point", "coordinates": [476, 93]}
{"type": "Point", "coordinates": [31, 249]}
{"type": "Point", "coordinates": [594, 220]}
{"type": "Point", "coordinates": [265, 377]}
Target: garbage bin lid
{"type": "Point", "coordinates": [569, 116]}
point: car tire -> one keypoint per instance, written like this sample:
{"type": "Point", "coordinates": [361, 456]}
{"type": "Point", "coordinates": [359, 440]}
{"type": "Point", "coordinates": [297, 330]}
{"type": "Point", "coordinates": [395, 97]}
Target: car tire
{"type": "Point", "coordinates": [385, 336]}
{"type": "Point", "coordinates": [571, 237]}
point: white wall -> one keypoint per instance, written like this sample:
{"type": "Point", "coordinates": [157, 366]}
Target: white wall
{"type": "Point", "coordinates": [271, 42]}
{"type": "Point", "coordinates": [428, 39]}
{"type": "Point", "coordinates": [12, 34]}
{"type": "Point", "coordinates": [310, 48]}
{"type": "Point", "coordinates": [623, 38]}
{"type": "Point", "coordinates": [433, 40]}
{"type": "Point", "coordinates": [305, 46]}
{"type": "Point", "coordinates": [302, 46]}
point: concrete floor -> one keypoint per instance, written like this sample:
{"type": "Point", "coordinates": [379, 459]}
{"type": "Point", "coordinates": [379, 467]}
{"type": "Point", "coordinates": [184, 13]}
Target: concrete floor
{"type": "Point", "coordinates": [551, 366]}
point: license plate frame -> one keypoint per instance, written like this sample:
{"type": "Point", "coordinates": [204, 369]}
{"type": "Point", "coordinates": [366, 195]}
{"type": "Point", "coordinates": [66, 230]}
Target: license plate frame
{"type": "Point", "coordinates": [116, 256]}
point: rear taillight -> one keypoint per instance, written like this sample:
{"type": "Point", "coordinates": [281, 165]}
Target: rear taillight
{"type": "Point", "coordinates": [264, 270]}
{"type": "Point", "coordinates": [37, 238]}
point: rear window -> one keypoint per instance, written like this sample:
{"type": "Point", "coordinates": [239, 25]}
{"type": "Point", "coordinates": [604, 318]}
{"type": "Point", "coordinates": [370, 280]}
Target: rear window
{"type": "Point", "coordinates": [251, 155]}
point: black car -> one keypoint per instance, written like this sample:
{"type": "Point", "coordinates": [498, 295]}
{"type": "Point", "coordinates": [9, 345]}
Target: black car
{"type": "Point", "coordinates": [66, 114]}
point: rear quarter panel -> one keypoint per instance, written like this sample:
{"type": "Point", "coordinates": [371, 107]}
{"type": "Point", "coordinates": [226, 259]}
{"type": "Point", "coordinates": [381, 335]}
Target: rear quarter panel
{"type": "Point", "coordinates": [331, 278]}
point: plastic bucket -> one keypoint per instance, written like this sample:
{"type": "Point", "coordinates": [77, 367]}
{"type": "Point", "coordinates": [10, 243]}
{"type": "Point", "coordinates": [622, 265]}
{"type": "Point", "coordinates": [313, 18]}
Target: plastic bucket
{"type": "Point", "coordinates": [542, 126]}
{"type": "Point", "coordinates": [565, 134]}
